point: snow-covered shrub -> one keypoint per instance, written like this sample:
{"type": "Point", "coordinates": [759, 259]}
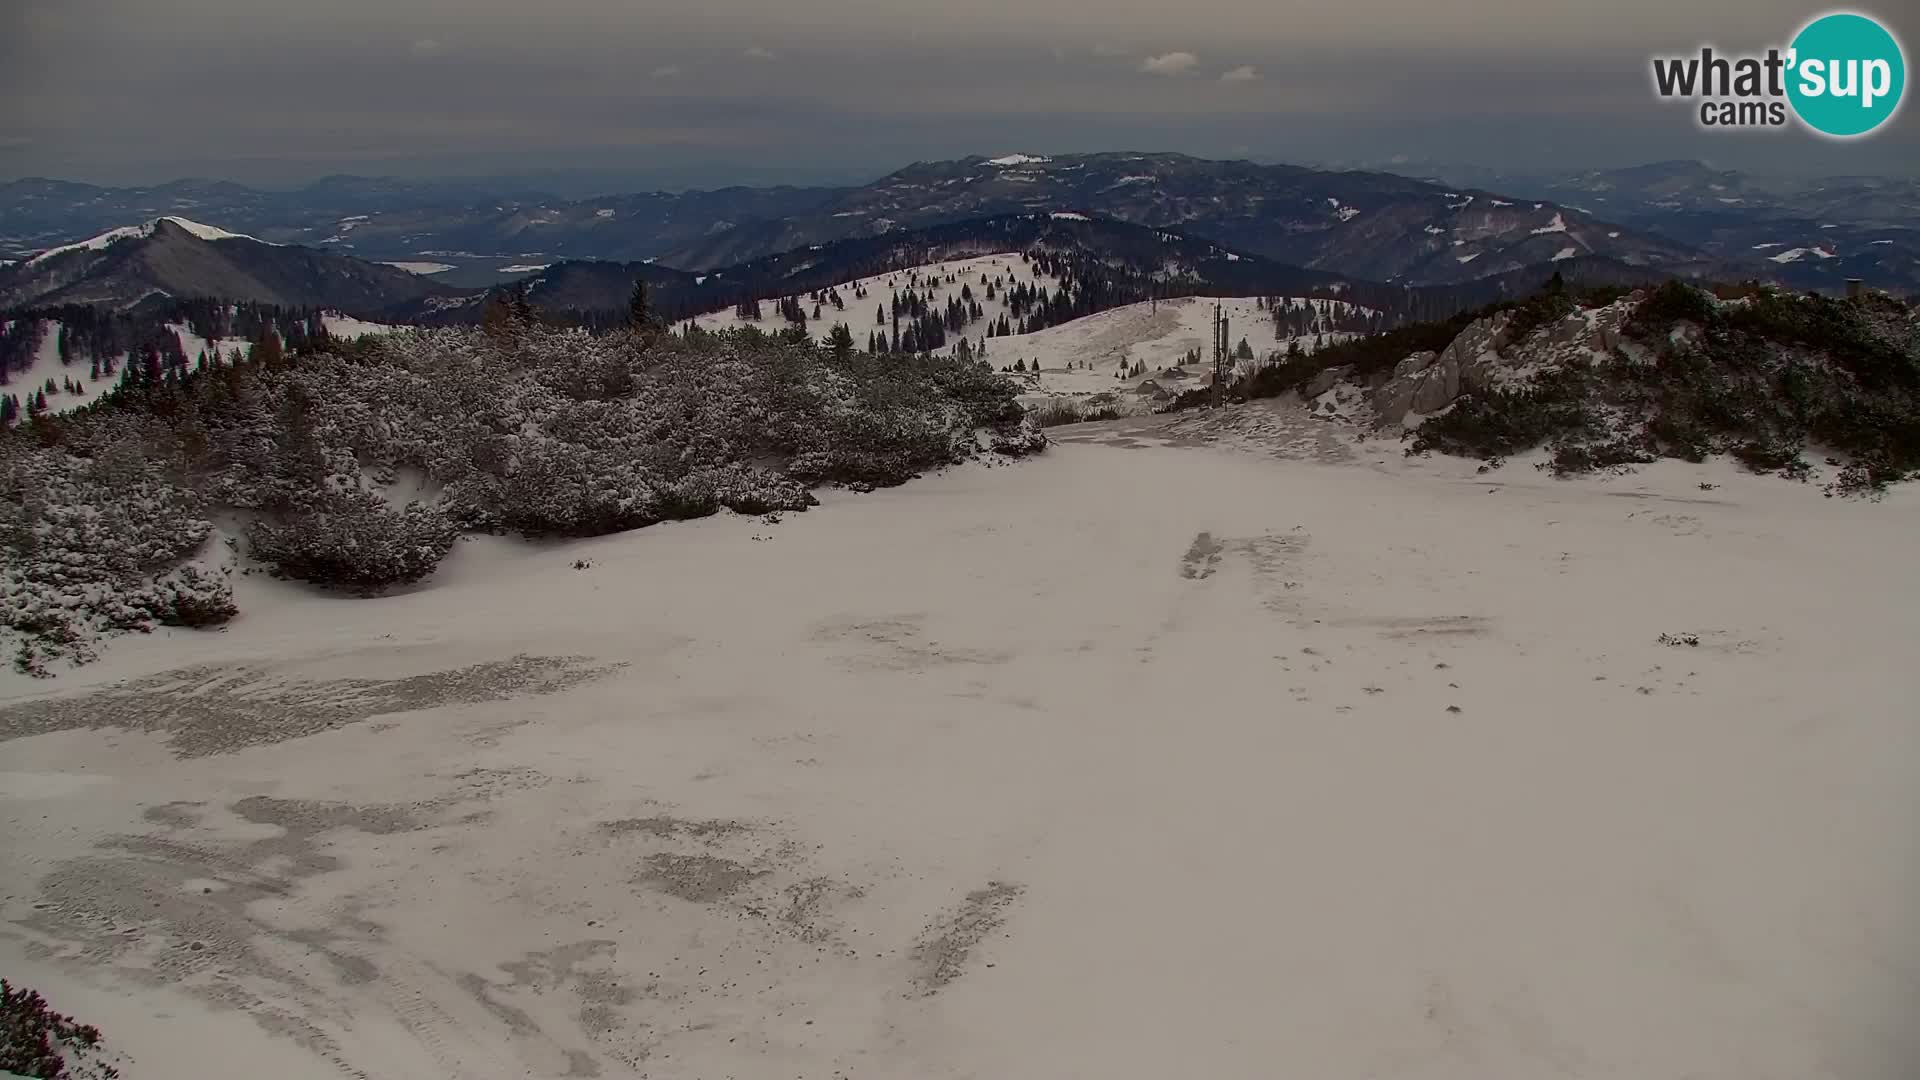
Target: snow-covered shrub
{"type": "Point", "coordinates": [93, 537]}
{"type": "Point", "coordinates": [533, 429]}
{"type": "Point", "coordinates": [189, 596]}
{"type": "Point", "coordinates": [746, 490]}
{"type": "Point", "coordinates": [354, 540]}
{"type": "Point", "coordinates": [566, 489]}
{"type": "Point", "coordinates": [37, 1041]}
{"type": "Point", "coordinates": [1760, 379]}
{"type": "Point", "coordinates": [1020, 438]}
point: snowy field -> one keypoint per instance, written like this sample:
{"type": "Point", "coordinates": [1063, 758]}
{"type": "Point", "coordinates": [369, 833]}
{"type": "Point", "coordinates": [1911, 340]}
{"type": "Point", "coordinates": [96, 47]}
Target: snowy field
{"type": "Point", "coordinates": [348, 327]}
{"type": "Point", "coordinates": [46, 365]}
{"type": "Point", "coordinates": [1321, 763]}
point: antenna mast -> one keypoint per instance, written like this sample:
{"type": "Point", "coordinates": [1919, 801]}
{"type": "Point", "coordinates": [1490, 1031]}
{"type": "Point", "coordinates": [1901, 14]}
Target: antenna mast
{"type": "Point", "coordinates": [1219, 354]}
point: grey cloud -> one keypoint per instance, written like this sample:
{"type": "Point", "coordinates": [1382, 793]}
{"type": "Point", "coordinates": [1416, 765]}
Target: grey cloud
{"type": "Point", "coordinates": [1173, 63]}
{"type": "Point", "coordinates": [275, 87]}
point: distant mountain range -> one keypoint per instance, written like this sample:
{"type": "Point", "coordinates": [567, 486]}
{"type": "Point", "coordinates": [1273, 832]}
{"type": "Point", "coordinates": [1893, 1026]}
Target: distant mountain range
{"type": "Point", "coordinates": [1376, 226]}
{"type": "Point", "coordinates": [445, 244]}
{"type": "Point", "coordinates": [1183, 264]}
{"type": "Point", "coordinates": [393, 220]}
{"type": "Point", "coordinates": [174, 258]}
{"type": "Point", "coordinates": [1812, 234]}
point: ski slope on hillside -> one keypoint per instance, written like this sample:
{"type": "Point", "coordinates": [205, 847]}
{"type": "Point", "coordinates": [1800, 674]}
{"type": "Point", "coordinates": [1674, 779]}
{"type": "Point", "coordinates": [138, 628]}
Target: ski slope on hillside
{"type": "Point", "coordinates": [1132, 358]}
{"type": "Point", "coordinates": [1081, 353]}
{"type": "Point", "coordinates": [1135, 351]}
{"type": "Point", "coordinates": [1158, 334]}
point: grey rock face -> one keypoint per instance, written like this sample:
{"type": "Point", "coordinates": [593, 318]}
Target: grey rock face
{"type": "Point", "coordinates": [1427, 382]}
{"type": "Point", "coordinates": [1326, 381]}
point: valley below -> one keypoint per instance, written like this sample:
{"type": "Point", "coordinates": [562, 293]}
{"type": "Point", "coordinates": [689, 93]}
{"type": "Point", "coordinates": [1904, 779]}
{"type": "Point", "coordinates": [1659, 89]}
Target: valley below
{"type": "Point", "coordinates": [1223, 744]}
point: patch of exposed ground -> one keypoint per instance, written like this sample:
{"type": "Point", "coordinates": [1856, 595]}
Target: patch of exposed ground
{"type": "Point", "coordinates": [1201, 559]}
{"type": "Point", "coordinates": [586, 968]}
{"type": "Point", "coordinates": [1408, 626]}
{"type": "Point", "coordinates": [899, 643]}
{"type": "Point", "coordinates": [234, 917]}
{"type": "Point", "coordinates": [214, 709]}
{"type": "Point", "coordinates": [174, 908]}
{"type": "Point", "coordinates": [809, 904]}
{"type": "Point", "coordinates": [699, 879]}
{"type": "Point", "coordinates": [1280, 427]}
{"type": "Point", "coordinates": [667, 828]}
{"type": "Point", "coordinates": [737, 865]}
{"type": "Point", "coordinates": [1272, 558]}
{"type": "Point", "coordinates": [941, 956]}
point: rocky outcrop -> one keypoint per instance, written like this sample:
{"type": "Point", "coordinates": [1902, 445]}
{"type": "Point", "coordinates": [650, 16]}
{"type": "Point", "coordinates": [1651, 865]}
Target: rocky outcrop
{"type": "Point", "coordinates": [1427, 382]}
{"type": "Point", "coordinates": [1477, 354]}
{"type": "Point", "coordinates": [1326, 381]}
{"type": "Point", "coordinates": [1595, 330]}
{"type": "Point", "coordinates": [1484, 355]}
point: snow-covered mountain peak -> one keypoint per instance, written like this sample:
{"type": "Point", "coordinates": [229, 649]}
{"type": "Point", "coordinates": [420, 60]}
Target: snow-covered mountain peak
{"type": "Point", "coordinates": [139, 232]}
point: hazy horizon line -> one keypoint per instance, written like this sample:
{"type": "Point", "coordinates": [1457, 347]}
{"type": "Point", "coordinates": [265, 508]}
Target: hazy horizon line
{"type": "Point", "coordinates": [798, 175]}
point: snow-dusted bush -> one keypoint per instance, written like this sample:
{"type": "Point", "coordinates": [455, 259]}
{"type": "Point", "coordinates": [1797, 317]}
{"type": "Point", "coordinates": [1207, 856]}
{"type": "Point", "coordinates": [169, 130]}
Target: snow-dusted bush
{"type": "Point", "coordinates": [549, 431]}
{"type": "Point", "coordinates": [94, 538]}
{"type": "Point", "coordinates": [1760, 379]}
{"type": "Point", "coordinates": [533, 429]}
{"type": "Point", "coordinates": [37, 1041]}
{"type": "Point", "coordinates": [354, 540]}
{"type": "Point", "coordinates": [1019, 439]}
{"type": "Point", "coordinates": [732, 486]}
{"type": "Point", "coordinates": [188, 596]}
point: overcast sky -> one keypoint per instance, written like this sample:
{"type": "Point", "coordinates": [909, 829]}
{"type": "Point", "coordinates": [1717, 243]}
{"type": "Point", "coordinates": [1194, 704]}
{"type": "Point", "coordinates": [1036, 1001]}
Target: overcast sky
{"type": "Point", "coordinates": [269, 91]}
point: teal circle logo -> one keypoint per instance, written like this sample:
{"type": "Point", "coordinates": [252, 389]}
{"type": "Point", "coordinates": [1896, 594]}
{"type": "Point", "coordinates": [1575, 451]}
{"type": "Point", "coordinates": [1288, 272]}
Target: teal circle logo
{"type": "Point", "coordinates": [1847, 74]}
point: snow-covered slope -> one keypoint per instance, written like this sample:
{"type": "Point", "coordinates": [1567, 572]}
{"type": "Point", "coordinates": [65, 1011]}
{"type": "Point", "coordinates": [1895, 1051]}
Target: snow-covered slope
{"type": "Point", "coordinates": [140, 232]}
{"type": "Point", "coordinates": [72, 386]}
{"type": "Point", "coordinates": [1138, 352]}
{"type": "Point", "coordinates": [346, 326]}
{"type": "Point", "coordinates": [1157, 335]}
{"type": "Point", "coordinates": [940, 280]}
{"type": "Point", "coordinates": [75, 383]}
{"type": "Point", "coordinates": [1077, 359]}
